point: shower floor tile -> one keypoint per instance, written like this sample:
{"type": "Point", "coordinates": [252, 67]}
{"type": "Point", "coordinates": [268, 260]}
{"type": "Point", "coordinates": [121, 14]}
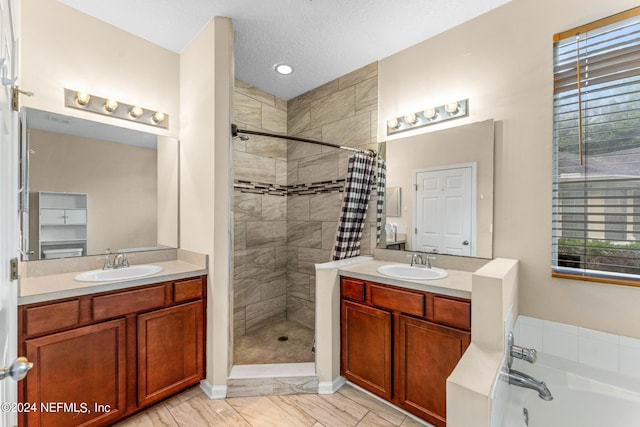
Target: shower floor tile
{"type": "Point", "coordinates": [264, 346]}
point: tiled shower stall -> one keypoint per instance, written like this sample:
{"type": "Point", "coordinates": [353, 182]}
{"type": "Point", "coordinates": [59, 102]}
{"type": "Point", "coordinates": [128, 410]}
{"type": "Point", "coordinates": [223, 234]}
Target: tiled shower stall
{"type": "Point", "coordinates": [287, 194]}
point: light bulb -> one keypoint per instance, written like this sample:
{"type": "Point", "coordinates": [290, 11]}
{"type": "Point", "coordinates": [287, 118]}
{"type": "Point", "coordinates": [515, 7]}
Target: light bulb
{"type": "Point", "coordinates": [82, 99]}
{"type": "Point", "coordinates": [110, 105]}
{"type": "Point", "coordinates": [136, 112]}
{"type": "Point", "coordinates": [411, 118]}
{"type": "Point", "coordinates": [451, 107]}
{"type": "Point", "coordinates": [158, 117]}
{"type": "Point", "coordinates": [393, 123]}
{"type": "Point", "coordinates": [430, 113]}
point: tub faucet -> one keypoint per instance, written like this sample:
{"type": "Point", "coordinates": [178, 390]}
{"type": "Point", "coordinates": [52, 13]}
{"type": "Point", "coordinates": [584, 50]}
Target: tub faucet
{"type": "Point", "coordinates": [528, 354]}
{"type": "Point", "coordinates": [523, 380]}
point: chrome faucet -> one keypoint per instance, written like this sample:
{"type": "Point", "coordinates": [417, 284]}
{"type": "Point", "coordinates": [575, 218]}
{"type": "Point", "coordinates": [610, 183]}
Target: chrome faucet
{"type": "Point", "coordinates": [416, 259]}
{"type": "Point", "coordinates": [528, 354]}
{"type": "Point", "coordinates": [119, 261]}
{"type": "Point", "coordinates": [519, 378]}
{"type": "Point", "coordinates": [523, 380]}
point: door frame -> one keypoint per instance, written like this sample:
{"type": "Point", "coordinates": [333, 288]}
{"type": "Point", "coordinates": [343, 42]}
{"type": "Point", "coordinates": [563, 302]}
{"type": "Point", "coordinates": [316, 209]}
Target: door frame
{"type": "Point", "coordinates": [9, 204]}
{"type": "Point", "coordinates": [474, 201]}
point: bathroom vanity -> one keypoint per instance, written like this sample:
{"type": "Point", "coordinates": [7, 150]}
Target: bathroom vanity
{"type": "Point", "coordinates": [401, 342]}
{"type": "Point", "coordinates": [101, 356]}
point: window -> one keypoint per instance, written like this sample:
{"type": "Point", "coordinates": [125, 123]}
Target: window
{"type": "Point", "coordinates": [596, 151]}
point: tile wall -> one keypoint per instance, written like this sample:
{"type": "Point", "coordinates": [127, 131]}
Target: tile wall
{"type": "Point", "coordinates": [614, 353]}
{"type": "Point", "coordinates": [288, 196]}
{"type": "Point", "coordinates": [344, 112]}
{"type": "Point", "coordinates": [259, 211]}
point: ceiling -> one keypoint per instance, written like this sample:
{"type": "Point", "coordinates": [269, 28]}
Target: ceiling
{"type": "Point", "coordinates": [321, 39]}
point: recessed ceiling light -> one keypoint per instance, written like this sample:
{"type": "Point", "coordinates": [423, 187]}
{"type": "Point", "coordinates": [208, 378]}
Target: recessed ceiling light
{"type": "Point", "coordinates": [284, 69]}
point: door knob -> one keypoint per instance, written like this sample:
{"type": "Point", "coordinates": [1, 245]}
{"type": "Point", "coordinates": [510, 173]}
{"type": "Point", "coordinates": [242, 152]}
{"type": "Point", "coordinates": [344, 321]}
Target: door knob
{"type": "Point", "coordinates": [18, 369]}
{"type": "Point", "coordinates": [466, 243]}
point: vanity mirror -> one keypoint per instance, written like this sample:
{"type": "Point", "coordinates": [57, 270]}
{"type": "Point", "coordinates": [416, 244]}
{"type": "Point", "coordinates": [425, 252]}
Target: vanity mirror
{"type": "Point", "coordinates": [446, 180]}
{"type": "Point", "coordinates": [88, 188]}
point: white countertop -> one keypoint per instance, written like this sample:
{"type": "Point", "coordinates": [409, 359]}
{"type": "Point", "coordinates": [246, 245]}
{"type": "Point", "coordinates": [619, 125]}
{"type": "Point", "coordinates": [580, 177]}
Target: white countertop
{"type": "Point", "coordinates": [57, 286]}
{"type": "Point", "coordinates": [457, 284]}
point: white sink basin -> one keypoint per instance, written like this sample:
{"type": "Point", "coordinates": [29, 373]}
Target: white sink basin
{"type": "Point", "coordinates": [132, 272]}
{"type": "Point", "coordinates": [400, 271]}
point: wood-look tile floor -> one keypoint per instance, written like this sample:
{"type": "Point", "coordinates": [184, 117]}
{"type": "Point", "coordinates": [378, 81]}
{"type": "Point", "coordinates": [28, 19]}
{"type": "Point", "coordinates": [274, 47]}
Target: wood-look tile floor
{"type": "Point", "coordinates": [348, 407]}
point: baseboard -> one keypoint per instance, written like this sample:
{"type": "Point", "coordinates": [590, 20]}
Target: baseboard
{"type": "Point", "coordinates": [213, 391]}
{"type": "Point", "coordinates": [330, 387]}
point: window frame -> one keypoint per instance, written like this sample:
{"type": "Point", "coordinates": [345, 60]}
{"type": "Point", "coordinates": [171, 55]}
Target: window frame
{"type": "Point", "coordinates": [565, 85]}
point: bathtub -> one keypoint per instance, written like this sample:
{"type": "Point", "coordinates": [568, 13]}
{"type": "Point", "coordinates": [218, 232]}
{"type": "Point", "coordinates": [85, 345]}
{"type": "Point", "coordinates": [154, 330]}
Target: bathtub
{"type": "Point", "coordinates": [582, 397]}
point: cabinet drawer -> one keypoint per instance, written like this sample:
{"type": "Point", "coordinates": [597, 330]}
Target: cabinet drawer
{"type": "Point", "coordinates": [107, 306]}
{"type": "Point", "coordinates": [398, 300]}
{"type": "Point", "coordinates": [51, 317]}
{"type": "Point", "coordinates": [452, 312]}
{"type": "Point", "coordinates": [187, 290]}
{"type": "Point", "coordinates": [353, 289]}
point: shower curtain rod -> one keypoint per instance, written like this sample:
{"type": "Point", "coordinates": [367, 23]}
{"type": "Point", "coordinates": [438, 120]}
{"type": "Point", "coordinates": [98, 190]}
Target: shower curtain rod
{"type": "Point", "coordinates": [235, 131]}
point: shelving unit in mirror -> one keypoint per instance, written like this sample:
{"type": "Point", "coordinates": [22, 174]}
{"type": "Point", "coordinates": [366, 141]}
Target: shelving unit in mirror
{"type": "Point", "coordinates": [59, 221]}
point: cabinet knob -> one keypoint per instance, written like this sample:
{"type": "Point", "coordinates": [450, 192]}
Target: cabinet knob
{"type": "Point", "coordinates": [465, 243]}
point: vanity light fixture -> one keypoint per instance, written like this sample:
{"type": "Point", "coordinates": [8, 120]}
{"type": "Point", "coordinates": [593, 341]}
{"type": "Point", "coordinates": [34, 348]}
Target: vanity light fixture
{"type": "Point", "coordinates": [110, 107]}
{"type": "Point", "coordinates": [429, 116]}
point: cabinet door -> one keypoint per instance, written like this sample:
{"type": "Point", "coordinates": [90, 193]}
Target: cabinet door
{"type": "Point", "coordinates": [170, 351]}
{"type": "Point", "coordinates": [428, 353]}
{"type": "Point", "coordinates": [52, 216]}
{"type": "Point", "coordinates": [78, 376]}
{"type": "Point", "coordinates": [366, 347]}
{"type": "Point", "coordinates": [75, 216]}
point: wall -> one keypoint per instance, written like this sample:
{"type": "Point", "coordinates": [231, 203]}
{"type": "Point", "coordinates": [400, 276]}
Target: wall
{"type": "Point", "coordinates": [502, 61]}
{"type": "Point", "coordinates": [79, 52]}
{"type": "Point", "coordinates": [344, 112]}
{"type": "Point", "coordinates": [206, 85]}
{"type": "Point", "coordinates": [475, 391]}
{"type": "Point", "coordinates": [105, 171]}
{"type": "Point", "coordinates": [168, 191]}
{"type": "Point", "coordinates": [259, 210]}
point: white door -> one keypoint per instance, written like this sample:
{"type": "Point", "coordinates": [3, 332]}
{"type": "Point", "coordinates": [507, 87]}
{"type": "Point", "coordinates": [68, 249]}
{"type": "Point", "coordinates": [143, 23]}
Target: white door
{"type": "Point", "coordinates": [8, 209]}
{"type": "Point", "coordinates": [444, 199]}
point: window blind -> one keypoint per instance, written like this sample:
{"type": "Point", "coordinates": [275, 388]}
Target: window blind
{"type": "Point", "coordinates": [596, 182]}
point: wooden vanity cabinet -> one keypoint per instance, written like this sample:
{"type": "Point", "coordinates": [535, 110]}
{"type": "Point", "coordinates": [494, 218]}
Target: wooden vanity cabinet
{"type": "Point", "coordinates": [65, 372]}
{"type": "Point", "coordinates": [402, 344]}
{"type": "Point", "coordinates": [366, 347]}
{"type": "Point", "coordinates": [108, 355]}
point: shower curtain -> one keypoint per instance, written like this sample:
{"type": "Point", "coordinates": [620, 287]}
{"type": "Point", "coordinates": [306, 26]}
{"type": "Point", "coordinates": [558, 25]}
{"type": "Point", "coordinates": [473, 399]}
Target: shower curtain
{"type": "Point", "coordinates": [357, 192]}
{"type": "Point", "coordinates": [380, 194]}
